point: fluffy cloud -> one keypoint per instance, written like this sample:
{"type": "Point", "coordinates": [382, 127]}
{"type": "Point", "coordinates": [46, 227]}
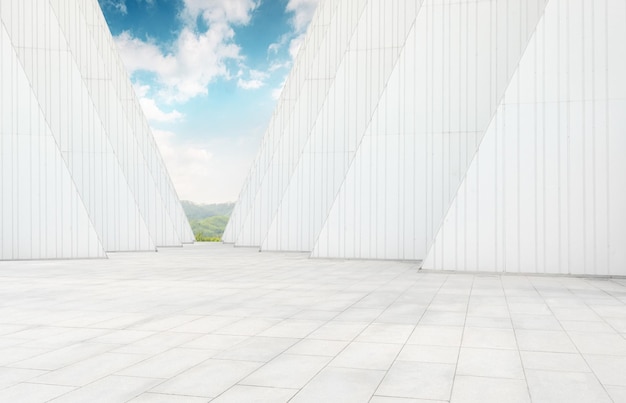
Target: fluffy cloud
{"type": "Point", "coordinates": [205, 172]}
{"type": "Point", "coordinates": [155, 114]}
{"type": "Point", "coordinates": [220, 11]}
{"type": "Point", "coordinates": [303, 11]}
{"type": "Point", "coordinates": [119, 5]}
{"type": "Point", "coordinates": [196, 58]}
{"type": "Point", "coordinates": [256, 80]}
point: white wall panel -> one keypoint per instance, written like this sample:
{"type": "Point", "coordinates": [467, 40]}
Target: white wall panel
{"type": "Point", "coordinates": [448, 38]}
{"type": "Point", "coordinates": [41, 213]}
{"type": "Point", "coordinates": [363, 75]}
{"type": "Point", "coordinates": [543, 192]}
{"type": "Point", "coordinates": [313, 75]}
{"type": "Point", "coordinates": [102, 140]}
{"type": "Point", "coordinates": [390, 168]}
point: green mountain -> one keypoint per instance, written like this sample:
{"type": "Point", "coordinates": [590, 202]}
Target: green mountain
{"type": "Point", "coordinates": [208, 221]}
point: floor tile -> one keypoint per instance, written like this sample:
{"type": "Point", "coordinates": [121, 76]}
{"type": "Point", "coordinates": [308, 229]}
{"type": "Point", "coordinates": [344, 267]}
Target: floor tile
{"type": "Point", "coordinates": [205, 324]}
{"type": "Point", "coordinates": [545, 340]}
{"type": "Point", "coordinates": [418, 380]}
{"type": "Point", "coordinates": [256, 394]}
{"type": "Point", "coordinates": [296, 328]}
{"type": "Point", "coordinates": [617, 393]}
{"type": "Point", "coordinates": [166, 398]}
{"type": "Point", "coordinates": [338, 330]}
{"type": "Point", "coordinates": [387, 399]}
{"type": "Point", "coordinates": [13, 376]}
{"type": "Point", "coordinates": [109, 389]}
{"type": "Point", "coordinates": [209, 379]}
{"type": "Point", "coordinates": [90, 369]}
{"type": "Point", "coordinates": [573, 362]}
{"type": "Point", "coordinates": [443, 318]}
{"type": "Point", "coordinates": [340, 385]}
{"type": "Point", "coordinates": [217, 342]}
{"type": "Point", "coordinates": [157, 343]}
{"type": "Point", "coordinates": [599, 343]}
{"type": "Point", "coordinates": [535, 322]}
{"type": "Point", "coordinates": [470, 389]}
{"type": "Point", "coordinates": [489, 338]}
{"type": "Point", "coordinates": [449, 336]}
{"type": "Point", "coordinates": [495, 323]}
{"type": "Point", "coordinates": [574, 387]}
{"type": "Point", "coordinates": [248, 326]}
{"type": "Point", "coordinates": [168, 364]}
{"type": "Point", "coordinates": [33, 392]}
{"type": "Point", "coordinates": [435, 354]}
{"type": "Point", "coordinates": [610, 370]}
{"type": "Point", "coordinates": [165, 319]}
{"type": "Point", "coordinates": [287, 371]}
{"type": "Point", "coordinates": [327, 348]}
{"type": "Point", "coordinates": [386, 333]}
{"type": "Point", "coordinates": [367, 356]}
{"type": "Point", "coordinates": [64, 356]}
{"type": "Point", "coordinates": [490, 363]}
{"type": "Point", "coordinates": [262, 349]}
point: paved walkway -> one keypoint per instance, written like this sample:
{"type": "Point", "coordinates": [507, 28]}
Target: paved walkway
{"type": "Point", "coordinates": [223, 324]}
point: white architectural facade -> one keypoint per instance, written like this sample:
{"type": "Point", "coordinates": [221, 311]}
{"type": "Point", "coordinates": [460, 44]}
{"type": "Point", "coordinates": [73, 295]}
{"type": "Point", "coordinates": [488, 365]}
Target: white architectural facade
{"type": "Point", "coordinates": [80, 173]}
{"type": "Point", "coordinates": [472, 135]}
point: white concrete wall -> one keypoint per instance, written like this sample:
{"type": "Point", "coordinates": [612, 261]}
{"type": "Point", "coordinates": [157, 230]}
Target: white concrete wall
{"type": "Point", "coordinates": [83, 108]}
{"type": "Point", "coordinates": [420, 88]}
{"type": "Point", "coordinates": [546, 192]}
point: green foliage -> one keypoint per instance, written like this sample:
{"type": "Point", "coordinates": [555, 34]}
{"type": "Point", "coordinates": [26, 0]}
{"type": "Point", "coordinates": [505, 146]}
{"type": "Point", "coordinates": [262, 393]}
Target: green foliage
{"type": "Point", "coordinates": [202, 238]}
{"type": "Point", "coordinates": [208, 221]}
{"type": "Point", "coordinates": [210, 227]}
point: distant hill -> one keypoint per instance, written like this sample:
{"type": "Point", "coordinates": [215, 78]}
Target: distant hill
{"type": "Point", "coordinates": [208, 221]}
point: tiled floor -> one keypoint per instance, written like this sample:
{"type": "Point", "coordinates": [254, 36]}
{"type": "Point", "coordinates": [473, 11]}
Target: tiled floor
{"type": "Point", "coordinates": [216, 323]}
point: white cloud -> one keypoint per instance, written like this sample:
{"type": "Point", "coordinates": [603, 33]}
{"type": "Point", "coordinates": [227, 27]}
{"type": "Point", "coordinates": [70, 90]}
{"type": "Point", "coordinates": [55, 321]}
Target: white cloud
{"type": "Point", "coordinates": [220, 11]}
{"type": "Point", "coordinates": [303, 11]}
{"type": "Point", "coordinates": [205, 173]}
{"type": "Point", "coordinates": [256, 80]}
{"type": "Point", "coordinates": [155, 114]}
{"type": "Point", "coordinates": [250, 84]}
{"type": "Point", "coordinates": [119, 5]}
{"type": "Point", "coordinates": [277, 91]}
{"type": "Point", "coordinates": [196, 58]}
{"type": "Point", "coordinates": [141, 89]}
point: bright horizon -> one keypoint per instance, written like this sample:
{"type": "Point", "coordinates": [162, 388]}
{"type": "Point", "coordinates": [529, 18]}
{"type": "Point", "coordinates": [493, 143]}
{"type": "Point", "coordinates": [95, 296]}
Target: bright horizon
{"type": "Point", "coordinates": [208, 74]}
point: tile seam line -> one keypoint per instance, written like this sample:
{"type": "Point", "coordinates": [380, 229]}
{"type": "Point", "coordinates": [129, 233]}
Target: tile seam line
{"type": "Point", "coordinates": [356, 336]}
{"type": "Point", "coordinates": [571, 294]}
{"type": "Point", "coordinates": [441, 285]}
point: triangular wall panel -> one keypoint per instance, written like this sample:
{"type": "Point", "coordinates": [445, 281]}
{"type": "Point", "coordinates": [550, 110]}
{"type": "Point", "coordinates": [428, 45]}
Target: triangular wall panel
{"type": "Point", "coordinates": [546, 190]}
{"type": "Point", "coordinates": [361, 78]}
{"type": "Point", "coordinates": [41, 212]}
{"type": "Point", "coordinates": [82, 138]}
{"type": "Point", "coordinates": [451, 76]}
{"type": "Point", "coordinates": [299, 108]}
{"type": "Point", "coordinates": [172, 226]}
{"type": "Point", "coordinates": [85, 97]}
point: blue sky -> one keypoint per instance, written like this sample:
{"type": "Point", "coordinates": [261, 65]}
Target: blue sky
{"type": "Point", "coordinates": [208, 74]}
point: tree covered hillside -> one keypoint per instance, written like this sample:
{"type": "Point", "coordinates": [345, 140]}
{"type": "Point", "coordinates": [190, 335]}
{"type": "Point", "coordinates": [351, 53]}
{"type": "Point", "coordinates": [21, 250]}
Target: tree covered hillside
{"type": "Point", "coordinates": [208, 221]}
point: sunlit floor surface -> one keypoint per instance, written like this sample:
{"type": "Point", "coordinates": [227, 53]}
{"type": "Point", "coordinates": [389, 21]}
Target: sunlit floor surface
{"type": "Point", "coordinates": [216, 323]}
